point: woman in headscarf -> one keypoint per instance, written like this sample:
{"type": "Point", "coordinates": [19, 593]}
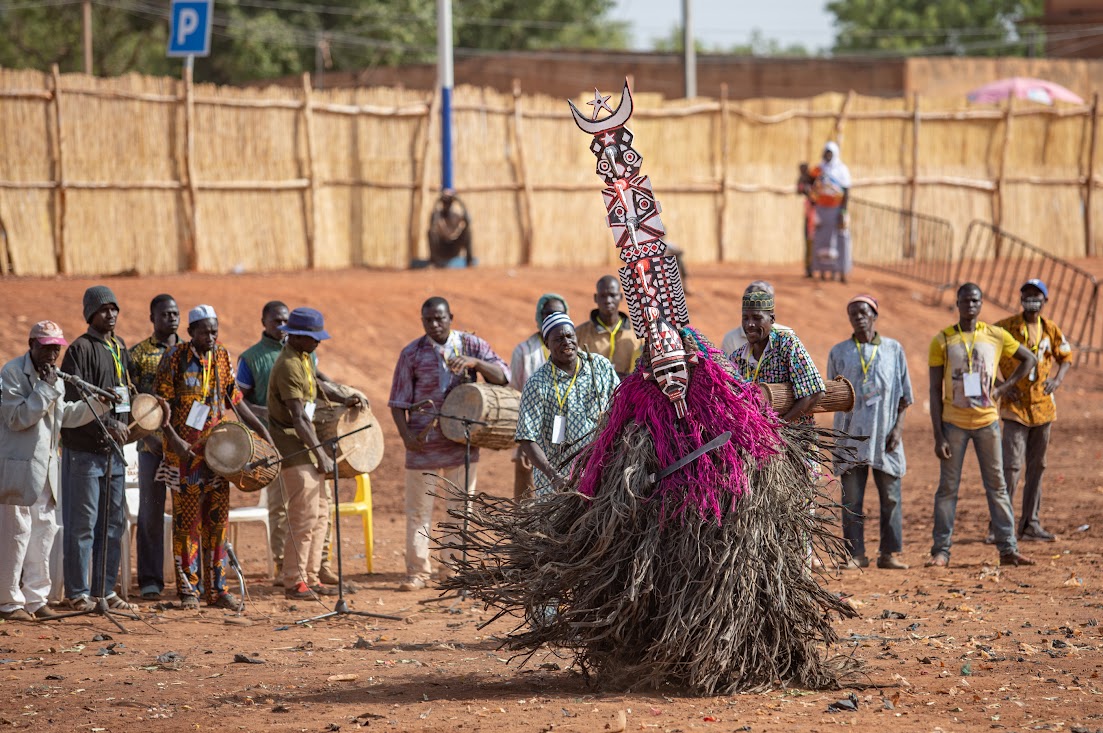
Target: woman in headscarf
{"type": "Point", "coordinates": [831, 189]}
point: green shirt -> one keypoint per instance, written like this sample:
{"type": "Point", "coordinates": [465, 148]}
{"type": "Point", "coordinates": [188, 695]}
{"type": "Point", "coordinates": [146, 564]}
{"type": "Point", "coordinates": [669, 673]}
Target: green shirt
{"type": "Point", "coordinates": [290, 379]}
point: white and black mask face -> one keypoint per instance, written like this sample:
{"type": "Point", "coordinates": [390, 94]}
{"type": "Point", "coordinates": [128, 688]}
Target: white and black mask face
{"type": "Point", "coordinates": [1033, 303]}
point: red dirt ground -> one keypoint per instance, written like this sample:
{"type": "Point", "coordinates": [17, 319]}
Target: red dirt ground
{"type": "Point", "coordinates": [1017, 649]}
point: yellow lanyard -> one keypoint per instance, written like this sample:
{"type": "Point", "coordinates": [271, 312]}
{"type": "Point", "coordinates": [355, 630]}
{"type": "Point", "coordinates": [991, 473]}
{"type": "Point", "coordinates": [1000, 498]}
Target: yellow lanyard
{"type": "Point", "coordinates": [114, 350]}
{"type": "Point", "coordinates": [308, 367]}
{"type": "Point", "coordinates": [207, 373]}
{"type": "Point", "coordinates": [758, 364]}
{"type": "Point", "coordinates": [867, 364]}
{"type": "Point", "coordinates": [613, 336]}
{"type": "Point", "coordinates": [969, 348]}
{"type": "Point", "coordinates": [555, 382]}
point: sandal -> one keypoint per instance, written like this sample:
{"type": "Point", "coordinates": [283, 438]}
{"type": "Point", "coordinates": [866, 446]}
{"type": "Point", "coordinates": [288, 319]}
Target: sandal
{"type": "Point", "coordinates": [227, 601]}
{"type": "Point", "coordinates": [115, 603]}
{"type": "Point", "coordinates": [938, 560]}
{"type": "Point", "coordinates": [189, 603]}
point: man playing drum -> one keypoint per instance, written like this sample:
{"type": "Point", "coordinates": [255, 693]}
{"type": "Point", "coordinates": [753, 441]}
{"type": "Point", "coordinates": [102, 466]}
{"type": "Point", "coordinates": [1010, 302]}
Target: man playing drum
{"type": "Point", "coordinates": [293, 388]}
{"type": "Point", "coordinates": [562, 403]}
{"type": "Point", "coordinates": [197, 380]}
{"type": "Point", "coordinates": [428, 369]}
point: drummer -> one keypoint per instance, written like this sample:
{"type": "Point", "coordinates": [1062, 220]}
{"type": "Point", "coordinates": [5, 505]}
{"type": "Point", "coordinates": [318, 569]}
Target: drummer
{"type": "Point", "coordinates": [293, 387]}
{"type": "Point", "coordinates": [428, 369]}
{"type": "Point", "coordinates": [197, 380]}
{"type": "Point", "coordinates": [776, 356]}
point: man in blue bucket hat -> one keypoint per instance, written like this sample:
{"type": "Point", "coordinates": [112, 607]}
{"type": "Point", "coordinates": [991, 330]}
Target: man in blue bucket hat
{"type": "Point", "coordinates": [293, 388]}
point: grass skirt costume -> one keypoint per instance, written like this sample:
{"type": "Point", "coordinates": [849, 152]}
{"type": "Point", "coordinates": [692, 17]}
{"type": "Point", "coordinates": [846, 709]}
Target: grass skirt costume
{"type": "Point", "coordinates": [703, 581]}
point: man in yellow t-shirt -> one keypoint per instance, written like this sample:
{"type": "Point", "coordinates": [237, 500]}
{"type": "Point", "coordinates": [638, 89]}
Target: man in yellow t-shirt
{"type": "Point", "coordinates": [1028, 408]}
{"type": "Point", "coordinates": [964, 359]}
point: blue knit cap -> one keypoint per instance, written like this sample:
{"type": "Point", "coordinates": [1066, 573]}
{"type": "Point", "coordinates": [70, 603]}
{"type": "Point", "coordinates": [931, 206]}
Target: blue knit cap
{"type": "Point", "coordinates": [544, 301]}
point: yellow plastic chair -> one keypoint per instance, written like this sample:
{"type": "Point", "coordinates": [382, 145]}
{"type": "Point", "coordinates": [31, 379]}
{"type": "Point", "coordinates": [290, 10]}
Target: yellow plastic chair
{"type": "Point", "coordinates": [361, 504]}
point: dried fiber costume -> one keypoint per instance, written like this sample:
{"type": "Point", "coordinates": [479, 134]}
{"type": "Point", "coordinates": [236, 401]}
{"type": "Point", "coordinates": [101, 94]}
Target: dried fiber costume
{"type": "Point", "coordinates": [702, 580]}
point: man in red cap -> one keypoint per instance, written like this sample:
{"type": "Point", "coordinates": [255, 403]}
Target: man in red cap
{"type": "Point", "coordinates": [32, 412]}
{"type": "Point", "coordinates": [1028, 408]}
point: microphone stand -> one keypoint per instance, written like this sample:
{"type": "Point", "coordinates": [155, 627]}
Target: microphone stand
{"type": "Point", "coordinates": [340, 608]}
{"type": "Point", "coordinates": [101, 608]}
{"type": "Point", "coordinates": [467, 423]}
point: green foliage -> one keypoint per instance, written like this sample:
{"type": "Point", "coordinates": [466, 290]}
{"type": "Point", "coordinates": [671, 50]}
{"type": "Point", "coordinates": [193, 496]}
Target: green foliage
{"type": "Point", "coordinates": [941, 27]}
{"type": "Point", "coordinates": [757, 45]}
{"type": "Point", "coordinates": [259, 39]}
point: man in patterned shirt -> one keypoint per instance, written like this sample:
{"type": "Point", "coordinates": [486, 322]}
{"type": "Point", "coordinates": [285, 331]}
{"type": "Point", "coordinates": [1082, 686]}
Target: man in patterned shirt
{"type": "Point", "coordinates": [963, 359]}
{"type": "Point", "coordinates": [774, 356]}
{"type": "Point", "coordinates": [561, 403]}
{"type": "Point", "coordinates": [1028, 408]}
{"type": "Point", "coordinates": [144, 358]}
{"type": "Point", "coordinates": [427, 370]}
{"type": "Point", "coordinates": [196, 378]}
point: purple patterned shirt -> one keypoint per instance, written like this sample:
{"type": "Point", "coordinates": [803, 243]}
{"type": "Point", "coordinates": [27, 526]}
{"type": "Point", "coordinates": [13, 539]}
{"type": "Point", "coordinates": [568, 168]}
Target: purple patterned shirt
{"type": "Point", "coordinates": [417, 377]}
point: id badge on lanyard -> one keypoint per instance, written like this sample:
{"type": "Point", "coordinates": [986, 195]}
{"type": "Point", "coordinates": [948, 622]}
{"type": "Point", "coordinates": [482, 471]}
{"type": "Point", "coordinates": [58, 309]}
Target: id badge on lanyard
{"type": "Point", "coordinates": [870, 392]}
{"type": "Point", "coordinates": [972, 384]}
{"type": "Point", "coordinates": [559, 429]}
{"type": "Point", "coordinates": [123, 405]}
{"type": "Point", "coordinates": [197, 416]}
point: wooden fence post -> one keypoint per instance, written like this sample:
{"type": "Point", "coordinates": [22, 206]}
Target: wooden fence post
{"type": "Point", "coordinates": [840, 119]}
{"type": "Point", "coordinates": [310, 202]}
{"type": "Point", "coordinates": [913, 182]}
{"type": "Point", "coordinates": [421, 180]}
{"type": "Point", "coordinates": [522, 171]}
{"type": "Point", "coordinates": [722, 204]}
{"type": "Point", "coordinates": [191, 243]}
{"type": "Point", "coordinates": [59, 178]}
{"type": "Point", "coordinates": [1089, 186]}
{"type": "Point", "coordinates": [997, 194]}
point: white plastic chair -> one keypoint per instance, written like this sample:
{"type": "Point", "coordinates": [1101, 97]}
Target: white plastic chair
{"type": "Point", "coordinates": [130, 527]}
{"type": "Point", "coordinates": [258, 513]}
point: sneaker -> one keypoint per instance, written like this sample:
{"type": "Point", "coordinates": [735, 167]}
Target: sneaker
{"type": "Point", "coordinates": [18, 614]}
{"type": "Point", "coordinates": [327, 576]}
{"type": "Point", "coordinates": [151, 594]}
{"type": "Point", "coordinates": [411, 583]}
{"type": "Point", "coordinates": [227, 601]}
{"type": "Point", "coordinates": [1015, 559]}
{"type": "Point", "coordinates": [888, 561]}
{"type": "Point", "coordinates": [189, 603]}
{"type": "Point", "coordinates": [300, 592]}
{"type": "Point", "coordinates": [324, 590]}
{"type": "Point", "coordinates": [990, 539]}
{"type": "Point", "coordinates": [856, 563]}
{"type": "Point", "coordinates": [1037, 534]}
{"type": "Point", "coordinates": [80, 603]}
{"type": "Point", "coordinates": [45, 612]}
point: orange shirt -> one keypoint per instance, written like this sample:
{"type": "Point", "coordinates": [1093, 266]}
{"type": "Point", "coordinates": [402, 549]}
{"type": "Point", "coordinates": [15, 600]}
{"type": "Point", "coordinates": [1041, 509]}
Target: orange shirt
{"type": "Point", "coordinates": [824, 191]}
{"type": "Point", "coordinates": [1046, 341]}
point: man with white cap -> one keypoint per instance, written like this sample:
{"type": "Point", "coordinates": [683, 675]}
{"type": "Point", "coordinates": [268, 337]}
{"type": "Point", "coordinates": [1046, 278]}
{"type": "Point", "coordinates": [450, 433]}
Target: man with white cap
{"type": "Point", "coordinates": [196, 378]}
{"type": "Point", "coordinates": [1028, 408]}
{"type": "Point", "coordinates": [562, 403]}
{"type": "Point", "coordinates": [878, 368]}
{"type": "Point", "coordinates": [293, 389]}
{"type": "Point", "coordinates": [32, 412]}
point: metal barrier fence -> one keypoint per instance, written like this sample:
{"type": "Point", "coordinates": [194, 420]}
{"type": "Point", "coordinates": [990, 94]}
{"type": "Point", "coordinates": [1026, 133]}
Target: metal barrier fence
{"type": "Point", "coordinates": [1000, 263]}
{"type": "Point", "coordinates": [903, 242]}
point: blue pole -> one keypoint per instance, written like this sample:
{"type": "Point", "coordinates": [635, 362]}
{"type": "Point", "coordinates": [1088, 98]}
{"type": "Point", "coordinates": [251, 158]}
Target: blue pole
{"type": "Point", "coordinates": [444, 72]}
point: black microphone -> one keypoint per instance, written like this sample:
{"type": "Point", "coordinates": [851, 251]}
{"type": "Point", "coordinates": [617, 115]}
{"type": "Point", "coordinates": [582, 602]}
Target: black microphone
{"type": "Point", "coordinates": [86, 387]}
{"type": "Point", "coordinates": [265, 462]}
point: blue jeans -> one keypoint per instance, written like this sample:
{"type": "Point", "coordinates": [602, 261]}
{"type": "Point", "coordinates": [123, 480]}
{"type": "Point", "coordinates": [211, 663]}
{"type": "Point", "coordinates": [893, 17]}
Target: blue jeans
{"type": "Point", "coordinates": [151, 525]}
{"type": "Point", "coordinates": [986, 442]}
{"type": "Point", "coordinates": [86, 490]}
{"type": "Point", "coordinates": [892, 514]}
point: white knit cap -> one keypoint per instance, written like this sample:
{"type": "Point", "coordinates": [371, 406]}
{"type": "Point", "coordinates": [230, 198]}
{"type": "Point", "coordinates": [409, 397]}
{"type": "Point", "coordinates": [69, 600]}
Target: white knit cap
{"type": "Point", "coordinates": [200, 313]}
{"type": "Point", "coordinates": [554, 321]}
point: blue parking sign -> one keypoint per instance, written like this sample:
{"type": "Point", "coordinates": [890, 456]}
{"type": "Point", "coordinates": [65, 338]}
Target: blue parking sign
{"type": "Point", "coordinates": [190, 28]}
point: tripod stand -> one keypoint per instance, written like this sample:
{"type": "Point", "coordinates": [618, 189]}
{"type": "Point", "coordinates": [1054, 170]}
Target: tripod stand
{"type": "Point", "coordinates": [467, 423]}
{"type": "Point", "coordinates": [340, 608]}
{"type": "Point", "coordinates": [103, 508]}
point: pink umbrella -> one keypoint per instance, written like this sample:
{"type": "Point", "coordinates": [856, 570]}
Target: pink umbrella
{"type": "Point", "coordinates": [1021, 87]}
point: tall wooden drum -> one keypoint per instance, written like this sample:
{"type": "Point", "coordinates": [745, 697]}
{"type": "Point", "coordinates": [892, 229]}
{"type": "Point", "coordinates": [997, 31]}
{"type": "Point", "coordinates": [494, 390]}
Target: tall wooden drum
{"type": "Point", "coordinates": [356, 454]}
{"type": "Point", "coordinates": [497, 406]}
{"type": "Point", "coordinates": [232, 447]}
{"type": "Point", "coordinates": [146, 416]}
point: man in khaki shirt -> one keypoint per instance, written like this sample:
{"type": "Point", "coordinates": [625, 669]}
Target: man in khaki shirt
{"type": "Point", "coordinates": [609, 332]}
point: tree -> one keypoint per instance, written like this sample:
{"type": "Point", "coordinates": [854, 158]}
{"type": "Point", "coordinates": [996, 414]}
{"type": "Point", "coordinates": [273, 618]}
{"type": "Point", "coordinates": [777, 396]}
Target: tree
{"type": "Point", "coordinates": [757, 45]}
{"type": "Point", "coordinates": [259, 39]}
{"type": "Point", "coordinates": [941, 27]}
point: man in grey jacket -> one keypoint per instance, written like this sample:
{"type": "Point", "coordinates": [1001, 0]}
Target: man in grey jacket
{"type": "Point", "coordinates": [32, 412]}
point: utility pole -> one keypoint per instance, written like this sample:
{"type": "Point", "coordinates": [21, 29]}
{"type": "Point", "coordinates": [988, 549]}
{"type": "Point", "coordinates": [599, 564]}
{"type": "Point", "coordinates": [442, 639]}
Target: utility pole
{"type": "Point", "coordinates": [444, 74]}
{"type": "Point", "coordinates": [86, 21]}
{"type": "Point", "coordinates": [689, 49]}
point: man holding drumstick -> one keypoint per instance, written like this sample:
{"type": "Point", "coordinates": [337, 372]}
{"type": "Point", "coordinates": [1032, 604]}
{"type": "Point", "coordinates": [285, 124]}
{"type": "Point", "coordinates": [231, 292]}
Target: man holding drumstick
{"type": "Point", "coordinates": [197, 380]}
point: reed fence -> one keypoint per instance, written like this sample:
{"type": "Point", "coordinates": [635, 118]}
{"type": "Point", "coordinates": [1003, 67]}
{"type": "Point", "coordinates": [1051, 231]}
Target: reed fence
{"type": "Point", "coordinates": [162, 175]}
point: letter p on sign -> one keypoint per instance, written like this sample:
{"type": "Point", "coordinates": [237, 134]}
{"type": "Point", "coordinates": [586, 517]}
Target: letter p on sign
{"type": "Point", "coordinates": [190, 32]}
